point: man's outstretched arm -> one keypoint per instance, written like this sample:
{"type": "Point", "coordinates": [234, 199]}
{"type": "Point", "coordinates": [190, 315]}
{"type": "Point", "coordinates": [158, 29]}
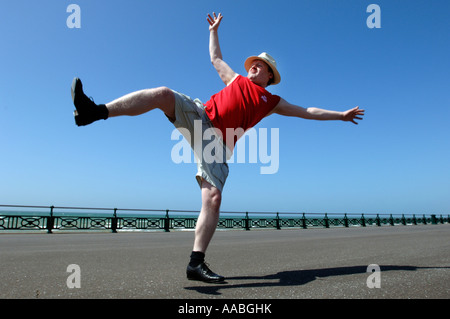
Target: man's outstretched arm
{"type": "Point", "coordinates": [312, 113]}
{"type": "Point", "coordinates": [225, 72]}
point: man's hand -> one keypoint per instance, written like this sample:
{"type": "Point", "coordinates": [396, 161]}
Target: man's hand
{"type": "Point", "coordinates": [353, 114]}
{"type": "Point", "coordinates": [214, 22]}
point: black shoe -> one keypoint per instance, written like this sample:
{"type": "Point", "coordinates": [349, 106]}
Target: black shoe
{"type": "Point", "coordinates": [203, 273]}
{"type": "Point", "coordinates": [86, 110]}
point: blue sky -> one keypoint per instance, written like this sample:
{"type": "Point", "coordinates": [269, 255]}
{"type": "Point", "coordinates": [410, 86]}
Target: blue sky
{"type": "Point", "coordinates": [397, 160]}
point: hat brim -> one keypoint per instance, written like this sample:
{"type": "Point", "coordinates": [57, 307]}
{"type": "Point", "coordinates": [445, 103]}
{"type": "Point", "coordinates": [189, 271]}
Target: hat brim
{"type": "Point", "coordinates": [276, 74]}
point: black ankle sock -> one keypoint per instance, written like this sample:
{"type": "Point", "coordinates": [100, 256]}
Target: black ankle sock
{"type": "Point", "coordinates": [197, 258]}
{"type": "Point", "coordinates": [103, 111]}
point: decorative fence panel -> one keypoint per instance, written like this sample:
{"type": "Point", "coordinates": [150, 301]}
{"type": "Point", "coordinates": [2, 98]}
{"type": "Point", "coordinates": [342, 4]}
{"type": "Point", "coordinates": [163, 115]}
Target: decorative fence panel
{"type": "Point", "coordinates": [17, 218]}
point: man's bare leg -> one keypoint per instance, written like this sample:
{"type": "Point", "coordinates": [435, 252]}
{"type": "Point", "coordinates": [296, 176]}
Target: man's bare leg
{"type": "Point", "coordinates": [131, 104]}
{"type": "Point", "coordinates": [204, 231]}
{"type": "Point", "coordinates": [143, 101]}
{"type": "Point", "coordinates": [208, 218]}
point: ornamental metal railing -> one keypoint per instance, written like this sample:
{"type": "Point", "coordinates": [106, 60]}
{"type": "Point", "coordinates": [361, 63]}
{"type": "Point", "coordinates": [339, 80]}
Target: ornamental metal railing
{"type": "Point", "coordinates": [52, 218]}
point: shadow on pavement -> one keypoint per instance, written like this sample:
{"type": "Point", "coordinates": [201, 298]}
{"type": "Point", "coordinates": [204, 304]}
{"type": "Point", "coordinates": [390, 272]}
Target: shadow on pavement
{"type": "Point", "coordinates": [295, 277]}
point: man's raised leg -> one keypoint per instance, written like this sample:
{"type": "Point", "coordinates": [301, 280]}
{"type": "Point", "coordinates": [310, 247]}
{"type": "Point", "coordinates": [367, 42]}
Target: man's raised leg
{"type": "Point", "coordinates": [204, 231]}
{"type": "Point", "coordinates": [143, 101]}
{"type": "Point", "coordinates": [132, 104]}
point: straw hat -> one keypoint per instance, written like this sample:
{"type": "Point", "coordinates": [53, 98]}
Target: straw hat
{"type": "Point", "coordinates": [269, 60]}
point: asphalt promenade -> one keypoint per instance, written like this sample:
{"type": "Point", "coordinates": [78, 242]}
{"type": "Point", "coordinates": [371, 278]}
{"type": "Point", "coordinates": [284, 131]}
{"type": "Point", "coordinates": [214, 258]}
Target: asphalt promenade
{"type": "Point", "coordinates": [314, 263]}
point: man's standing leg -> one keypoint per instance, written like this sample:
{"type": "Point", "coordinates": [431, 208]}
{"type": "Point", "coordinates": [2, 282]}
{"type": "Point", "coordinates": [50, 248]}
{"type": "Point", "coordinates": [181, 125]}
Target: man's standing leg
{"type": "Point", "coordinates": [209, 216]}
{"type": "Point", "coordinates": [204, 231]}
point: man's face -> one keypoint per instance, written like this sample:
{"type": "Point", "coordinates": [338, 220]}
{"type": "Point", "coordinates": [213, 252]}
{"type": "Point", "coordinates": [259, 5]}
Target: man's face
{"type": "Point", "coordinates": [259, 73]}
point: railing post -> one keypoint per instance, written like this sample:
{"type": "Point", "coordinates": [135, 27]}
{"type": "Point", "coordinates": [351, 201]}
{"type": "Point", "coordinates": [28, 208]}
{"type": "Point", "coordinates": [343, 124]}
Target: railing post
{"type": "Point", "coordinates": [424, 219]}
{"type": "Point", "coordinates": [414, 220]}
{"type": "Point", "coordinates": [403, 219]}
{"type": "Point", "coordinates": [167, 222]}
{"type": "Point", "coordinates": [246, 222]}
{"type": "Point", "coordinates": [391, 220]}
{"type": "Point", "coordinates": [433, 219]}
{"type": "Point", "coordinates": [277, 220]}
{"type": "Point", "coordinates": [50, 221]}
{"type": "Point", "coordinates": [345, 220]}
{"type": "Point", "coordinates": [304, 221]}
{"type": "Point", "coordinates": [114, 221]}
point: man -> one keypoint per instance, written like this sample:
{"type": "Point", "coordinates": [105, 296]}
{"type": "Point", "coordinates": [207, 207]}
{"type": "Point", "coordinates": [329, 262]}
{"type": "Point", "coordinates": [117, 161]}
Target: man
{"type": "Point", "coordinates": [240, 105]}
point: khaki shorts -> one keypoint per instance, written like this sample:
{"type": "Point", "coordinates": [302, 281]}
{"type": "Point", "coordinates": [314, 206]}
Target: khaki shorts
{"type": "Point", "coordinates": [209, 150]}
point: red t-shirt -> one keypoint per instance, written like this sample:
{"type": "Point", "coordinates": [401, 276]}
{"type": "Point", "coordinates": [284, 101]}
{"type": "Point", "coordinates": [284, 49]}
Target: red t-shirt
{"type": "Point", "coordinates": [242, 104]}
